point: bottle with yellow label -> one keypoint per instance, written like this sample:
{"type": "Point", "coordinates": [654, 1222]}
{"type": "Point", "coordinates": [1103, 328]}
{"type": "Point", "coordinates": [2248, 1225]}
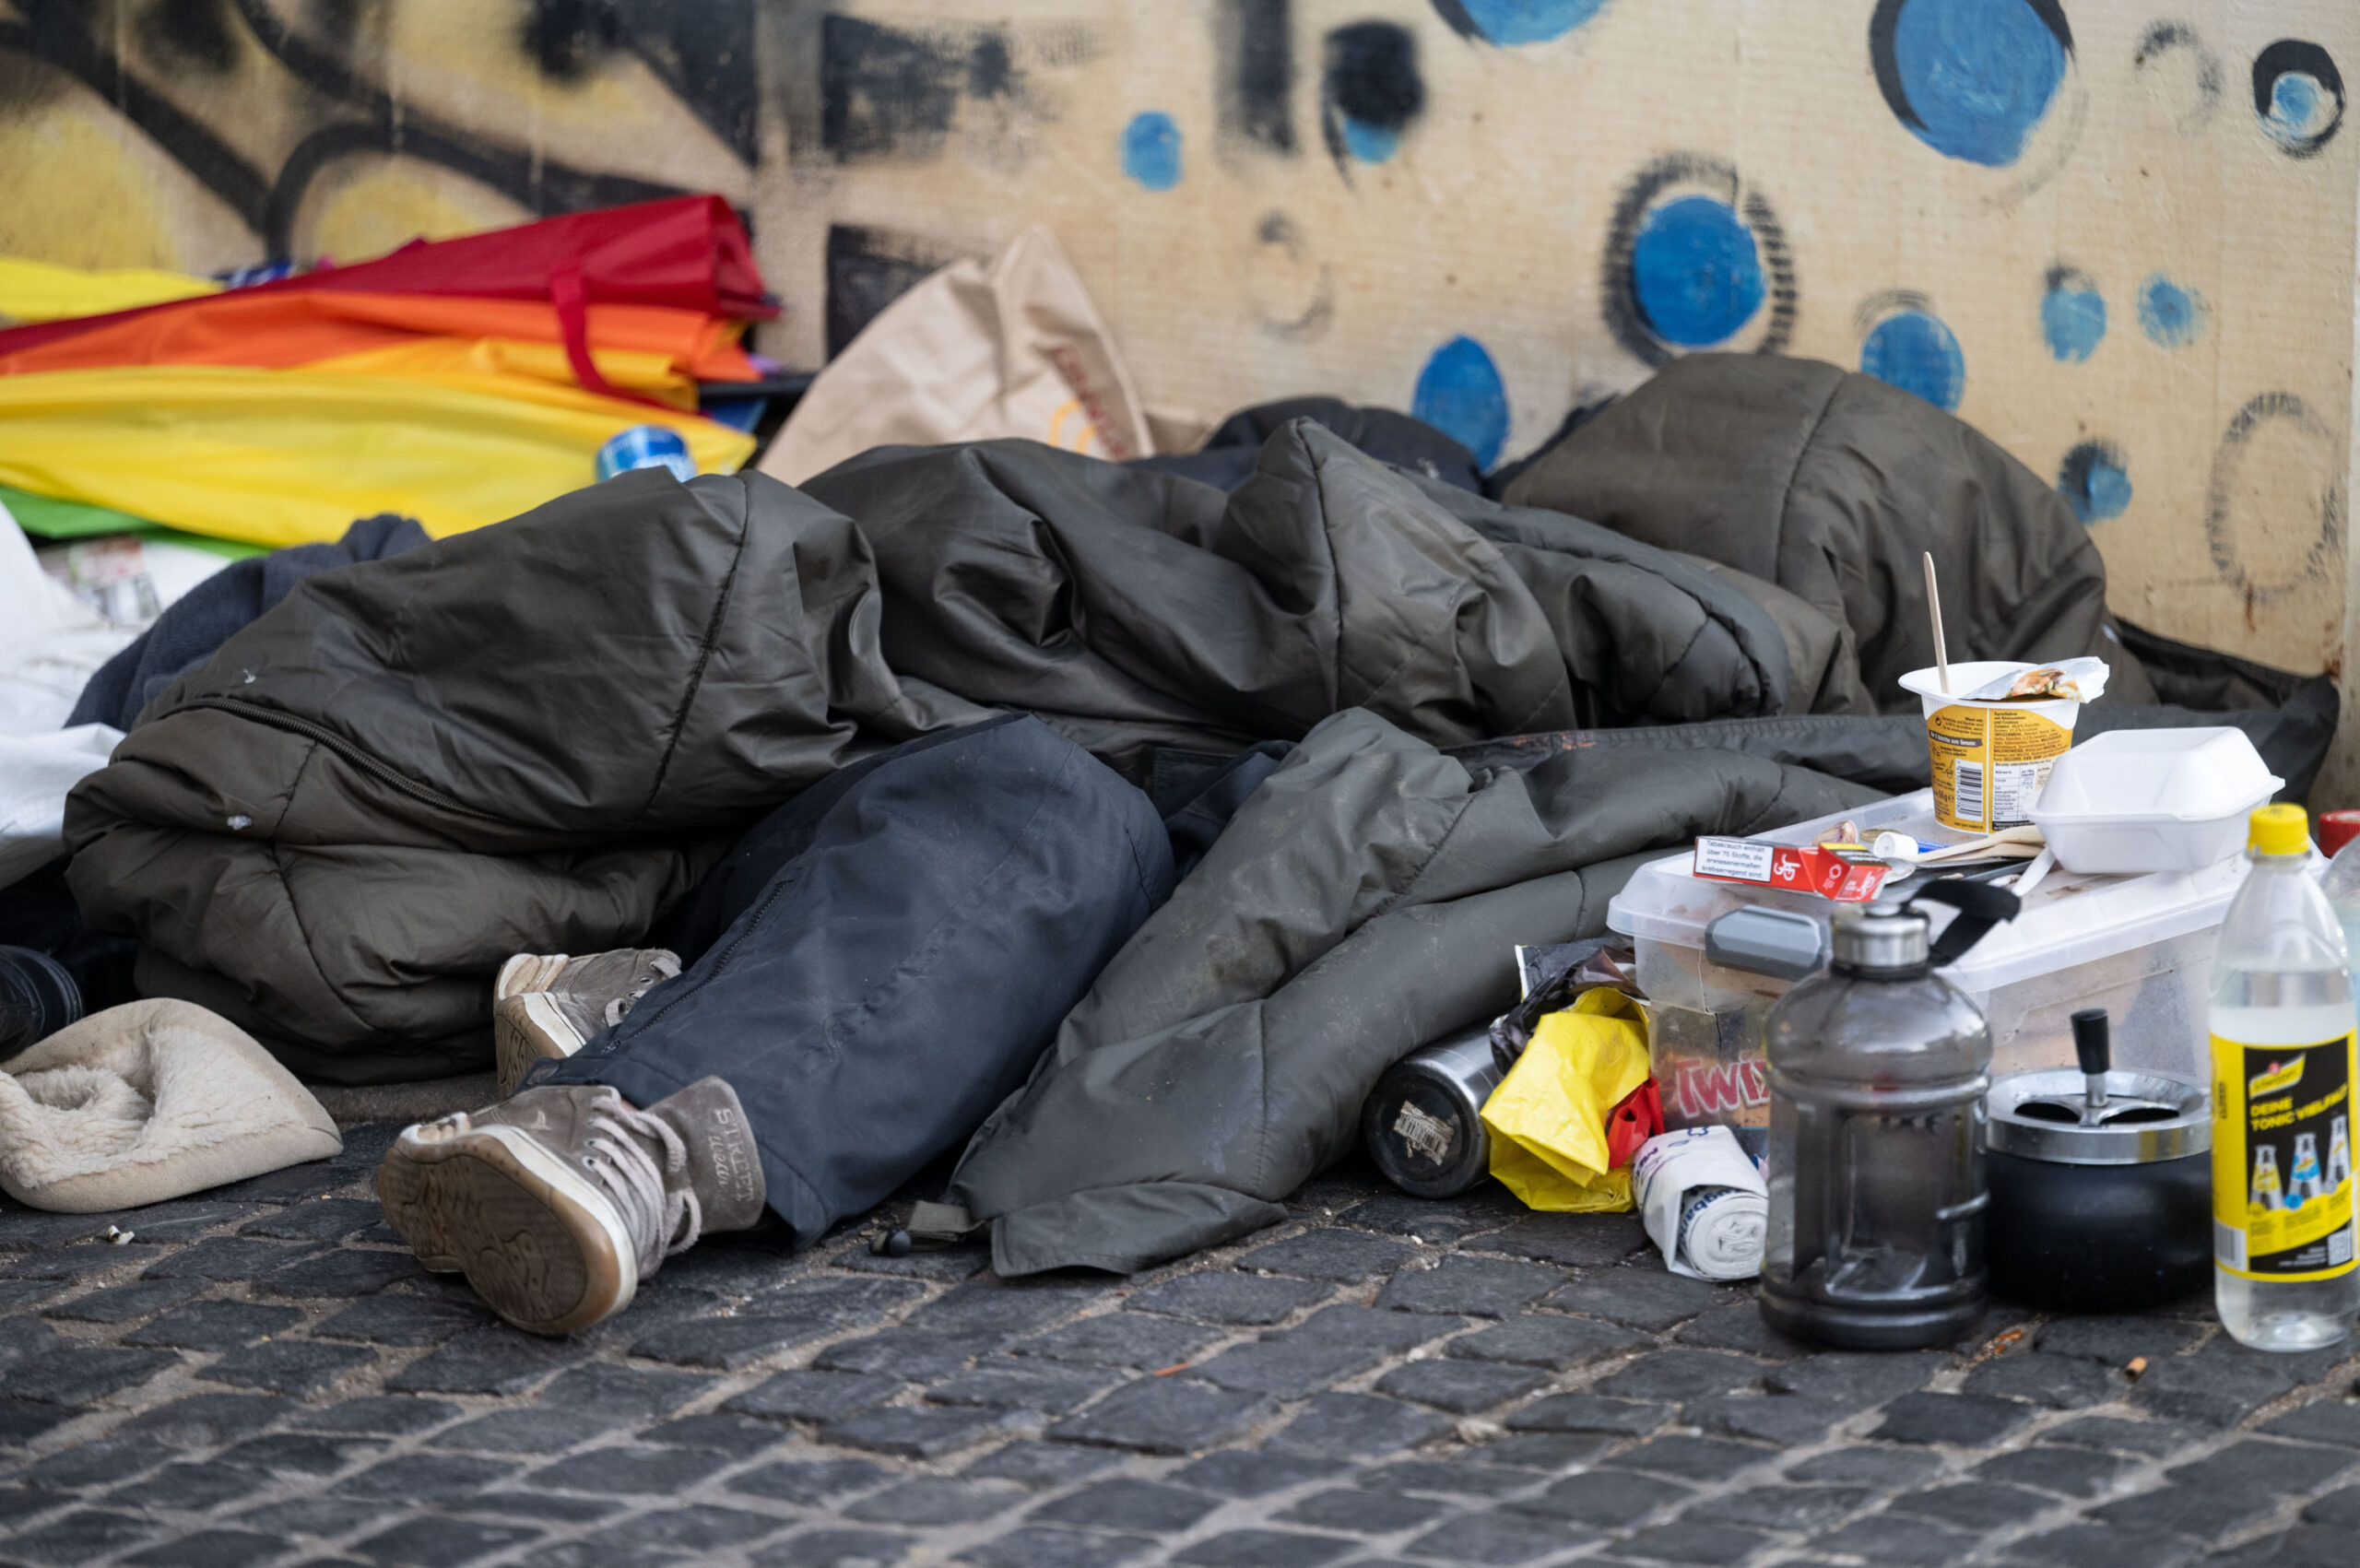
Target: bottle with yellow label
{"type": "Point", "coordinates": [2283, 1071]}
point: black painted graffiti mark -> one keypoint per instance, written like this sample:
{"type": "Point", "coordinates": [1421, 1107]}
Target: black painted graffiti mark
{"type": "Point", "coordinates": [53, 31]}
{"type": "Point", "coordinates": [1254, 45]}
{"type": "Point", "coordinates": [703, 53]}
{"type": "Point", "coordinates": [26, 83]}
{"type": "Point", "coordinates": [990, 73]}
{"type": "Point", "coordinates": [534, 180]}
{"type": "Point", "coordinates": [341, 22]}
{"type": "Point", "coordinates": [540, 186]}
{"type": "Point", "coordinates": [567, 38]}
{"type": "Point", "coordinates": [1887, 302]}
{"type": "Point", "coordinates": [1454, 17]}
{"type": "Point", "coordinates": [884, 92]}
{"type": "Point", "coordinates": [199, 35]}
{"type": "Point", "coordinates": [1370, 92]}
{"type": "Point", "coordinates": [2169, 38]}
{"type": "Point", "coordinates": [1294, 292]}
{"type": "Point", "coordinates": [1779, 268]}
{"type": "Point", "coordinates": [1618, 288]}
{"type": "Point", "coordinates": [2325, 554]}
{"type": "Point", "coordinates": [2279, 72]}
{"type": "Point", "coordinates": [868, 269]}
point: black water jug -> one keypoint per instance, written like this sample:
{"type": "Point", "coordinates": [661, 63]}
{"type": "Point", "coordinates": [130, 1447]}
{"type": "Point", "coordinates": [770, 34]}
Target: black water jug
{"type": "Point", "coordinates": [1877, 1070]}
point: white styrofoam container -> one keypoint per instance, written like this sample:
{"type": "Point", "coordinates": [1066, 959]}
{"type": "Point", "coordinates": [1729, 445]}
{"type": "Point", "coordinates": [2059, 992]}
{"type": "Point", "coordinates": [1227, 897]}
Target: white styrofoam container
{"type": "Point", "coordinates": [2141, 800]}
{"type": "Point", "coordinates": [2139, 947]}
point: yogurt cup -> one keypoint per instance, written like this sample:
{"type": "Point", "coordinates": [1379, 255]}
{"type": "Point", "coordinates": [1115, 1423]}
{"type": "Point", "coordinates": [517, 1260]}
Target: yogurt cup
{"type": "Point", "coordinates": [1990, 760]}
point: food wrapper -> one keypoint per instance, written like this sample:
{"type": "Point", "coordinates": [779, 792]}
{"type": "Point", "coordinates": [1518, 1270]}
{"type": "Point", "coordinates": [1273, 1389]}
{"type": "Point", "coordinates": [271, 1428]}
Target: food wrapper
{"type": "Point", "coordinates": [2075, 680]}
{"type": "Point", "coordinates": [1554, 1118]}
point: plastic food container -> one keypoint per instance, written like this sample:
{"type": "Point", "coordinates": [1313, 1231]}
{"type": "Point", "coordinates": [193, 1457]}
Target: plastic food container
{"type": "Point", "coordinates": [1990, 759]}
{"type": "Point", "coordinates": [2138, 800]}
{"type": "Point", "coordinates": [2139, 947]}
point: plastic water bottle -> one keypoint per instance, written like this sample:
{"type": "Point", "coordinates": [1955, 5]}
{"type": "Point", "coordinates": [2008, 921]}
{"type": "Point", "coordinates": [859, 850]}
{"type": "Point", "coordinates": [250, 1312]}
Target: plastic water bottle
{"type": "Point", "coordinates": [2342, 884]}
{"type": "Point", "coordinates": [646, 446]}
{"type": "Point", "coordinates": [2282, 1077]}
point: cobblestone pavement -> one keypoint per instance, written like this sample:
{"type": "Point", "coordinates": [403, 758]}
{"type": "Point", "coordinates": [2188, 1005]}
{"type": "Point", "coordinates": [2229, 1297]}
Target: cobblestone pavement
{"type": "Point", "coordinates": [264, 1375]}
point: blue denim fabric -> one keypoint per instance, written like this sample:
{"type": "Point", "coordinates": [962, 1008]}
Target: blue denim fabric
{"type": "Point", "coordinates": [880, 961]}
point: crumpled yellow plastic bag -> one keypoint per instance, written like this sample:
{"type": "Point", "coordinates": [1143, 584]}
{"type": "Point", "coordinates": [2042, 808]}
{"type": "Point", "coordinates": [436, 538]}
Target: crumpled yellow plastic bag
{"type": "Point", "coordinates": [1548, 1116]}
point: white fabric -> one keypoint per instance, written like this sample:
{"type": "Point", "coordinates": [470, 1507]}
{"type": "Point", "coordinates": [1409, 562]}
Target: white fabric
{"type": "Point", "coordinates": [51, 643]}
{"type": "Point", "coordinates": [146, 1101]}
{"type": "Point", "coordinates": [974, 353]}
{"type": "Point", "coordinates": [36, 771]}
{"type": "Point", "coordinates": [1705, 1206]}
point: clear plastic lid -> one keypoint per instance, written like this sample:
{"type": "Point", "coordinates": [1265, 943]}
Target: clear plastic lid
{"type": "Point", "coordinates": [2071, 920]}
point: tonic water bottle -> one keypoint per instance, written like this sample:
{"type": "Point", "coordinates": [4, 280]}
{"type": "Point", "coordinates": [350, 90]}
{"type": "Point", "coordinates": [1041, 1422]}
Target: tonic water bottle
{"type": "Point", "coordinates": [2283, 1081]}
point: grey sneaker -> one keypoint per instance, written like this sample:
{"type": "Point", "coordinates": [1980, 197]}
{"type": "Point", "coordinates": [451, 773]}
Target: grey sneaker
{"type": "Point", "coordinates": [546, 1005]}
{"type": "Point", "coordinates": [558, 1202]}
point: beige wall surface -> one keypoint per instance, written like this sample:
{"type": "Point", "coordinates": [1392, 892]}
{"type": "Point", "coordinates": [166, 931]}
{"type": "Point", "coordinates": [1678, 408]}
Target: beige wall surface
{"type": "Point", "coordinates": [2118, 235]}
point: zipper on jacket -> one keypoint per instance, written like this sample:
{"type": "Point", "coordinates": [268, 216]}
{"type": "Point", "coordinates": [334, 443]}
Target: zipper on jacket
{"type": "Point", "coordinates": [343, 748]}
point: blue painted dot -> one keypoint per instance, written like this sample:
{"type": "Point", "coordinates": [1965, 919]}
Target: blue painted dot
{"type": "Point", "coordinates": [2294, 100]}
{"type": "Point", "coordinates": [1696, 274]}
{"type": "Point", "coordinates": [2170, 315]}
{"type": "Point", "coordinates": [1370, 144]}
{"type": "Point", "coordinates": [1151, 151]}
{"type": "Point", "coordinates": [1460, 394]}
{"type": "Point", "coordinates": [2095, 481]}
{"type": "Point", "coordinates": [1917, 353]}
{"type": "Point", "coordinates": [1976, 74]}
{"type": "Point", "coordinates": [2298, 109]}
{"type": "Point", "coordinates": [1528, 21]}
{"type": "Point", "coordinates": [2073, 317]}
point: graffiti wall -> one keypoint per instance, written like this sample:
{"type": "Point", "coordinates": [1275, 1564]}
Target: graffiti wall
{"type": "Point", "coordinates": [2116, 234]}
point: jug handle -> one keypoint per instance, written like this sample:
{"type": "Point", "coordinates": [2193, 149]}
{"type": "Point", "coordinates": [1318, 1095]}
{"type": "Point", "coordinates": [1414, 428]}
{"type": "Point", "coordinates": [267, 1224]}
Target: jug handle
{"type": "Point", "coordinates": [1980, 907]}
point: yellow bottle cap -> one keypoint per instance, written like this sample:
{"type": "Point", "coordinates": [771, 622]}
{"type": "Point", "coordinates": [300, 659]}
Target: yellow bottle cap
{"type": "Point", "coordinates": [2278, 830]}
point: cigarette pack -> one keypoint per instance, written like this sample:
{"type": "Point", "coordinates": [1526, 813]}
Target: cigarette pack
{"type": "Point", "coordinates": [1816, 868]}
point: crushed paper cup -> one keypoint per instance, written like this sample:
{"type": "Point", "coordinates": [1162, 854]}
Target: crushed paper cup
{"type": "Point", "coordinates": [1990, 758]}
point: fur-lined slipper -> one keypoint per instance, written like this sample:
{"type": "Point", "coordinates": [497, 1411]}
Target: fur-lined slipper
{"type": "Point", "coordinates": [149, 1101]}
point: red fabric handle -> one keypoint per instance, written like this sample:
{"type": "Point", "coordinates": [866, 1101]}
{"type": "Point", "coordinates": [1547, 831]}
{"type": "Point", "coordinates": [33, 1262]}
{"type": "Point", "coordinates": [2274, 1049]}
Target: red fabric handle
{"type": "Point", "coordinates": [571, 299]}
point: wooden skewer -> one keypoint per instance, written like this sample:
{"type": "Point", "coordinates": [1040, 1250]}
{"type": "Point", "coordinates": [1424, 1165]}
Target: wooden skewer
{"type": "Point", "coordinates": [1934, 607]}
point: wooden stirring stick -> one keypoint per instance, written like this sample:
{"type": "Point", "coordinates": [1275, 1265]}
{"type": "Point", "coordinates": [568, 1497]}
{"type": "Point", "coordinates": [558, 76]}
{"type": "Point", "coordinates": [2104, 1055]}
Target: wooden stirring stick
{"type": "Point", "coordinates": [1934, 607]}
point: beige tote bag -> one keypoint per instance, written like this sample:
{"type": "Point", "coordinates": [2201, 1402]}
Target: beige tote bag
{"type": "Point", "coordinates": [972, 353]}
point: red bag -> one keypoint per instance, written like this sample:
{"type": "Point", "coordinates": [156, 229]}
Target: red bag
{"type": "Point", "coordinates": [687, 252]}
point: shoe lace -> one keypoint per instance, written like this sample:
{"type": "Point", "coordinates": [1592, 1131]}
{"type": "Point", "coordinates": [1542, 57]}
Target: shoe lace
{"type": "Point", "coordinates": [663, 1217]}
{"type": "Point", "coordinates": [666, 967]}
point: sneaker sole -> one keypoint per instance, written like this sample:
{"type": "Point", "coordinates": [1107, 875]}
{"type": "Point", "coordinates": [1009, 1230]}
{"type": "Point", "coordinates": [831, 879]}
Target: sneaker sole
{"type": "Point", "coordinates": [542, 1246]}
{"type": "Point", "coordinates": [528, 973]}
{"type": "Point", "coordinates": [525, 1029]}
